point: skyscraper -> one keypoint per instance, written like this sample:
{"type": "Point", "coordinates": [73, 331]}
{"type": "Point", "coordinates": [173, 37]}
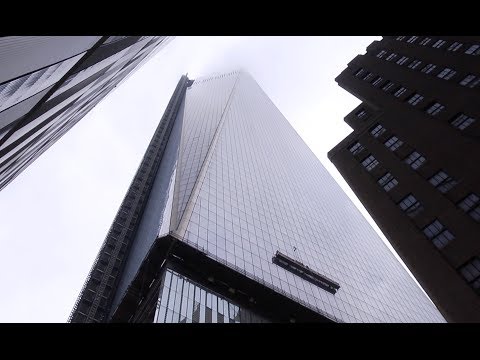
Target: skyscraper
{"type": "Point", "coordinates": [231, 218]}
{"type": "Point", "coordinates": [413, 155]}
{"type": "Point", "coordinates": [48, 83]}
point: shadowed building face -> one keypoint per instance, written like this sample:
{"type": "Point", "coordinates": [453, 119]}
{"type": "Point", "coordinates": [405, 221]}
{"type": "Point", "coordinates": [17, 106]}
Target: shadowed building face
{"type": "Point", "coordinates": [413, 158]}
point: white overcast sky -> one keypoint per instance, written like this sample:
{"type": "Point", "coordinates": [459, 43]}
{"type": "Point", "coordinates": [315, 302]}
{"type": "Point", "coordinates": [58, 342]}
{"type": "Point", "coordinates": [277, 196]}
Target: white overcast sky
{"type": "Point", "coordinates": [56, 214]}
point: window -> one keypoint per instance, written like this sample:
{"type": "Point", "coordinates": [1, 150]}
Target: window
{"type": "Point", "coordinates": [377, 130]}
{"type": "Point", "coordinates": [388, 86]}
{"type": "Point", "coordinates": [415, 160]}
{"type": "Point", "coordinates": [442, 181]}
{"type": "Point", "coordinates": [399, 92]}
{"type": "Point", "coordinates": [434, 109]}
{"type": "Point", "coordinates": [428, 68]}
{"type": "Point", "coordinates": [415, 99]}
{"type": "Point", "coordinates": [455, 46]}
{"type": "Point", "coordinates": [446, 74]}
{"type": "Point", "coordinates": [359, 72]}
{"type": "Point", "coordinates": [470, 81]}
{"type": "Point", "coordinates": [473, 50]}
{"type": "Point", "coordinates": [391, 57]}
{"type": "Point", "coordinates": [425, 41]}
{"type": "Point", "coordinates": [381, 54]}
{"type": "Point", "coordinates": [393, 143]}
{"type": "Point", "coordinates": [414, 64]}
{"type": "Point", "coordinates": [438, 44]}
{"type": "Point", "coordinates": [387, 181]}
{"type": "Point", "coordinates": [438, 234]}
{"type": "Point", "coordinates": [462, 121]}
{"type": "Point", "coordinates": [471, 273]}
{"type": "Point", "coordinates": [361, 114]}
{"type": "Point", "coordinates": [471, 205]}
{"type": "Point", "coordinates": [400, 38]}
{"type": "Point", "coordinates": [410, 205]}
{"type": "Point", "coordinates": [402, 60]}
{"type": "Point", "coordinates": [370, 162]}
{"type": "Point", "coordinates": [474, 83]}
{"type": "Point", "coordinates": [356, 148]}
{"type": "Point", "coordinates": [412, 39]}
{"type": "Point", "coordinates": [377, 81]}
{"type": "Point", "coordinates": [368, 77]}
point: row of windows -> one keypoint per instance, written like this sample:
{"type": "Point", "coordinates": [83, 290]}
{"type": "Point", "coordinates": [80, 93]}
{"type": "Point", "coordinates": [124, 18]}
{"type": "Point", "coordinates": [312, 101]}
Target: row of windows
{"type": "Point", "coordinates": [460, 121]}
{"type": "Point", "coordinates": [454, 46]}
{"type": "Point", "coordinates": [470, 80]}
{"type": "Point", "coordinates": [441, 180]}
{"type": "Point", "coordinates": [435, 231]}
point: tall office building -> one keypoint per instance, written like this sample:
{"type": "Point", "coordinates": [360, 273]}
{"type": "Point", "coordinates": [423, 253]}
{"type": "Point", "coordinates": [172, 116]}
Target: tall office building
{"type": "Point", "coordinates": [231, 218]}
{"type": "Point", "coordinates": [413, 155]}
{"type": "Point", "coordinates": [48, 83]}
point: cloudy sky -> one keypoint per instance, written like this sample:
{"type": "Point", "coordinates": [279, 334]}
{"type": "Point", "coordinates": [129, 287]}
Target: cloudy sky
{"type": "Point", "coordinates": [55, 215]}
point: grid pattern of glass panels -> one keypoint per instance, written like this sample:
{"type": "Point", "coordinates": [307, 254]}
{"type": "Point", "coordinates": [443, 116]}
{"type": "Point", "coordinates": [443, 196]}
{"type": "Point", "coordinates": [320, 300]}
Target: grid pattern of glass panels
{"type": "Point", "coordinates": [381, 53]}
{"type": "Point", "coordinates": [391, 57]}
{"type": "Point", "coordinates": [388, 182]}
{"type": "Point", "coordinates": [462, 121]}
{"type": "Point", "coordinates": [415, 160]}
{"type": "Point", "coordinates": [356, 148]}
{"type": "Point", "coordinates": [261, 189]}
{"type": "Point", "coordinates": [471, 273]}
{"type": "Point", "coordinates": [425, 41]}
{"type": "Point", "coordinates": [415, 99]}
{"type": "Point", "coordinates": [400, 92]}
{"type": "Point", "coordinates": [442, 181]}
{"type": "Point", "coordinates": [467, 80]}
{"type": "Point", "coordinates": [414, 64]}
{"type": "Point", "coordinates": [455, 46]}
{"type": "Point", "coordinates": [361, 114]}
{"type": "Point", "coordinates": [438, 234]}
{"type": "Point", "coordinates": [471, 205]}
{"type": "Point", "coordinates": [446, 74]}
{"type": "Point", "coordinates": [473, 50]}
{"type": "Point", "coordinates": [393, 143]}
{"type": "Point", "coordinates": [388, 86]}
{"type": "Point", "coordinates": [201, 119]}
{"type": "Point", "coordinates": [428, 68]}
{"type": "Point", "coordinates": [377, 130]}
{"type": "Point", "coordinates": [370, 162]}
{"type": "Point", "coordinates": [410, 205]}
{"type": "Point", "coordinates": [182, 300]}
{"type": "Point", "coordinates": [435, 108]}
{"type": "Point", "coordinates": [438, 44]}
{"type": "Point", "coordinates": [402, 60]}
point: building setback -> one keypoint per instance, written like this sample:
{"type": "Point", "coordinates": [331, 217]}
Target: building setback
{"type": "Point", "coordinates": [232, 218]}
{"type": "Point", "coordinates": [48, 83]}
{"type": "Point", "coordinates": [413, 159]}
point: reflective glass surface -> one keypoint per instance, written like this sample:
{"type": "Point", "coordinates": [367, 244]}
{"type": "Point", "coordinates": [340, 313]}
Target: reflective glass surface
{"type": "Point", "coordinates": [182, 300]}
{"type": "Point", "coordinates": [250, 186]}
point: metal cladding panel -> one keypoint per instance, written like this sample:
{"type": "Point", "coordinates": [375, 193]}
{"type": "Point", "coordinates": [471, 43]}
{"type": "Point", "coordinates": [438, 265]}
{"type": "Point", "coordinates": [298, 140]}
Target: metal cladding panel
{"type": "Point", "coordinates": [257, 189]}
{"type": "Point", "coordinates": [22, 54]}
{"type": "Point", "coordinates": [22, 100]}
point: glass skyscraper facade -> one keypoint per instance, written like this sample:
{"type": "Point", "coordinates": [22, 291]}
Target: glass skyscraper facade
{"type": "Point", "coordinates": [242, 223]}
{"type": "Point", "coordinates": [48, 83]}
